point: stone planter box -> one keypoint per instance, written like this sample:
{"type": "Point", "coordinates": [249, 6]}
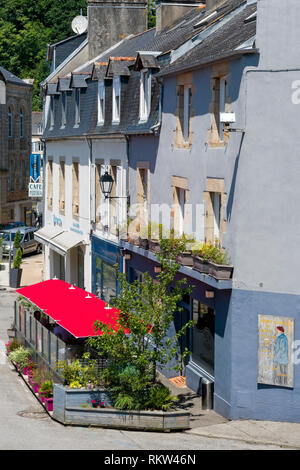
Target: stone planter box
{"type": "Point", "coordinates": [185, 258]}
{"type": "Point", "coordinates": [74, 407]}
{"type": "Point", "coordinates": [220, 271]}
{"type": "Point", "coordinates": [200, 265]}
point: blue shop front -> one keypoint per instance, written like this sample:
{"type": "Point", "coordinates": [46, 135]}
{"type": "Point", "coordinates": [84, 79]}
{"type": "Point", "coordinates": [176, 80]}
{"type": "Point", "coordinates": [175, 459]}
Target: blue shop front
{"type": "Point", "coordinates": [106, 263]}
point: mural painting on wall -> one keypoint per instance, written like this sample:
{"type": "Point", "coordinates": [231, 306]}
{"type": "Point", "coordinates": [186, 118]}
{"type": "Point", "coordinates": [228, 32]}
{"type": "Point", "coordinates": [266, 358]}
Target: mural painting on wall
{"type": "Point", "coordinates": [275, 342]}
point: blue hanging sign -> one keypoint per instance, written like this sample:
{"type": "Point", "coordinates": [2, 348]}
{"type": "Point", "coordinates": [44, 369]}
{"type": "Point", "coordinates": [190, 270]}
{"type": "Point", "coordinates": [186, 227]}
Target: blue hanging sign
{"type": "Point", "coordinates": [35, 184]}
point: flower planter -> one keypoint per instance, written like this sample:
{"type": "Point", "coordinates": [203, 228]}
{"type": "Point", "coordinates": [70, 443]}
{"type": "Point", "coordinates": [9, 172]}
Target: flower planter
{"type": "Point", "coordinates": [144, 243]}
{"type": "Point", "coordinates": [200, 265]}
{"type": "Point", "coordinates": [185, 258]}
{"type": "Point", "coordinates": [220, 271]}
{"type": "Point", "coordinates": [11, 333]}
{"type": "Point", "coordinates": [48, 403]}
{"type": "Point", "coordinates": [15, 278]}
{"type": "Point", "coordinates": [41, 397]}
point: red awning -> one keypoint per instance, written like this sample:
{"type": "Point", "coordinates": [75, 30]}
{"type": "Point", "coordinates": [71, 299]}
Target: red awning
{"type": "Point", "coordinates": [74, 309]}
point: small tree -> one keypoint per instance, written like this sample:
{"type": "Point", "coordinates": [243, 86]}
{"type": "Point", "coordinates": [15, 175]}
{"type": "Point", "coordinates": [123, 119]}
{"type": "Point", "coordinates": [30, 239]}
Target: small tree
{"type": "Point", "coordinates": [17, 240]}
{"type": "Point", "coordinates": [17, 259]}
{"type": "Point", "coordinates": [140, 343]}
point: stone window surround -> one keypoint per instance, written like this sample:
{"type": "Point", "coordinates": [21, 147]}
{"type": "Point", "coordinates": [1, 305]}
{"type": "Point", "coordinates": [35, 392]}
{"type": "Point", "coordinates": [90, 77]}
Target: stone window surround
{"type": "Point", "coordinates": [179, 183]}
{"type": "Point", "coordinates": [75, 187]}
{"type": "Point", "coordinates": [219, 72]}
{"type": "Point", "coordinates": [184, 81]}
{"type": "Point", "coordinates": [214, 185]}
{"type": "Point", "coordinates": [62, 185]}
{"type": "Point", "coordinates": [50, 183]}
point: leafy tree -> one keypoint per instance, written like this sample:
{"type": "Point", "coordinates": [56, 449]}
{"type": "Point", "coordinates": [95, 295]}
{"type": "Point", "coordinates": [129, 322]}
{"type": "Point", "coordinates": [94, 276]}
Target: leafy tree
{"type": "Point", "coordinates": [26, 27]}
{"type": "Point", "coordinates": [141, 344]}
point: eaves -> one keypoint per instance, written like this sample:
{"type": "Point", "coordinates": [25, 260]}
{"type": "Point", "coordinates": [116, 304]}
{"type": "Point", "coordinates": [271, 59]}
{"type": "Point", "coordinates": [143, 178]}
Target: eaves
{"type": "Point", "coordinates": [206, 62]}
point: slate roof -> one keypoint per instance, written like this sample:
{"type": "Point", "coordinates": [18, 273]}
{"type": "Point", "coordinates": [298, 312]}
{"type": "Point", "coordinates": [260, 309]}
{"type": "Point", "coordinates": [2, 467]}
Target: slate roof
{"type": "Point", "coordinates": [37, 120]}
{"type": "Point", "coordinates": [213, 44]}
{"type": "Point", "coordinates": [64, 48]}
{"type": "Point", "coordinates": [11, 78]}
{"type": "Point", "coordinates": [220, 44]}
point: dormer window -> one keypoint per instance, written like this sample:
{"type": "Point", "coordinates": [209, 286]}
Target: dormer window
{"type": "Point", "coordinates": [101, 102]}
{"type": "Point", "coordinates": [77, 106]}
{"type": "Point", "coordinates": [116, 100]}
{"type": "Point", "coordinates": [145, 94]}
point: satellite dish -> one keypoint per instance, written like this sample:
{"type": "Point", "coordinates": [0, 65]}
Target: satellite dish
{"type": "Point", "coordinates": [80, 24]}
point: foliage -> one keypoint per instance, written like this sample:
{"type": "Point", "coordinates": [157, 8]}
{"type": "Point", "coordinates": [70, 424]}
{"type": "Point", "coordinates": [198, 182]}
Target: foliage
{"type": "Point", "coordinates": [47, 388]}
{"type": "Point", "coordinates": [80, 373]}
{"type": "Point", "coordinates": [210, 252]}
{"type": "Point", "coordinates": [75, 384]}
{"type": "Point", "coordinates": [17, 259]}
{"type": "Point", "coordinates": [13, 345]}
{"type": "Point", "coordinates": [24, 302]}
{"type": "Point", "coordinates": [17, 240]}
{"type": "Point", "coordinates": [26, 28]}
{"type": "Point", "coordinates": [21, 356]}
{"type": "Point", "coordinates": [147, 311]}
{"type": "Point", "coordinates": [160, 398]}
{"type": "Point", "coordinates": [40, 375]}
{"type": "Point", "coordinates": [151, 14]}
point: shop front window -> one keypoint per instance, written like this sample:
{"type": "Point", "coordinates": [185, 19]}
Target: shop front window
{"type": "Point", "coordinates": [203, 336]}
{"type": "Point", "coordinates": [106, 280]}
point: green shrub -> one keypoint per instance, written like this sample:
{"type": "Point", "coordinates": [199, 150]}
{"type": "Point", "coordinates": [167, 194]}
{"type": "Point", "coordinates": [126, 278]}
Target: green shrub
{"type": "Point", "coordinates": [160, 398]}
{"type": "Point", "coordinates": [17, 259]}
{"type": "Point", "coordinates": [47, 388]}
{"type": "Point", "coordinates": [76, 372]}
{"type": "Point", "coordinates": [40, 375]}
{"type": "Point", "coordinates": [17, 240]}
{"type": "Point", "coordinates": [13, 345]}
{"type": "Point", "coordinates": [21, 356]}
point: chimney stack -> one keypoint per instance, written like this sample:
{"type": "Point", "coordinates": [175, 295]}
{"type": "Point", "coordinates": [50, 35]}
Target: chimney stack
{"type": "Point", "coordinates": [110, 21]}
{"type": "Point", "coordinates": [167, 12]}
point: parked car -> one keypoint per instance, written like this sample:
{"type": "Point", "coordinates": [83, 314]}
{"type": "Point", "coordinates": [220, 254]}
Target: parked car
{"type": "Point", "coordinates": [28, 243]}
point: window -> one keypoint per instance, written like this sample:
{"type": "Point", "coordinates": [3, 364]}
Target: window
{"type": "Point", "coordinates": [22, 179]}
{"type": "Point", "coordinates": [180, 198]}
{"type": "Point", "coordinates": [50, 184]}
{"type": "Point", "coordinates": [63, 108]}
{"type": "Point", "coordinates": [75, 189]}
{"type": "Point", "coordinates": [184, 114]}
{"type": "Point", "coordinates": [10, 122]}
{"type": "Point", "coordinates": [101, 102]}
{"type": "Point", "coordinates": [218, 105]}
{"type": "Point", "coordinates": [21, 123]}
{"type": "Point", "coordinates": [145, 95]}
{"type": "Point", "coordinates": [203, 335]}
{"type": "Point", "coordinates": [214, 199]}
{"type": "Point", "coordinates": [77, 106]}
{"type": "Point", "coordinates": [11, 178]}
{"type": "Point", "coordinates": [62, 187]}
{"type": "Point", "coordinates": [116, 100]}
{"type": "Point", "coordinates": [143, 192]}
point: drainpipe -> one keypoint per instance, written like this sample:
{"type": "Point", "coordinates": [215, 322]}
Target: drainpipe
{"type": "Point", "coordinates": [89, 142]}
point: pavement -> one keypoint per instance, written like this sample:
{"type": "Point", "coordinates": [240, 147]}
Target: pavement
{"type": "Point", "coordinates": [32, 269]}
{"type": "Point", "coordinates": [24, 424]}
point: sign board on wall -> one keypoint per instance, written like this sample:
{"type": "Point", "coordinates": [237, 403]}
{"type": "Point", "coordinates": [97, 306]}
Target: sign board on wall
{"type": "Point", "coordinates": [35, 185]}
{"type": "Point", "coordinates": [275, 351]}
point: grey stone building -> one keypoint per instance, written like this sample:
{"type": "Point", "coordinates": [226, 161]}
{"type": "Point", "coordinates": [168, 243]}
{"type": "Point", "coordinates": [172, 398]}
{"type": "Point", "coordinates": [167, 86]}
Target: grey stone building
{"type": "Point", "coordinates": [15, 147]}
{"type": "Point", "coordinates": [200, 114]}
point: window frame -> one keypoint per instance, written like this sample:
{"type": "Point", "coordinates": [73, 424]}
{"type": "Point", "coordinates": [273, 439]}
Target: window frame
{"type": "Point", "coordinates": [77, 106]}
{"type": "Point", "coordinates": [10, 122]}
{"type": "Point", "coordinates": [116, 95]}
{"type": "Point", "coordinates": [101, 103]}
{"type": "Point", "coordinates": [22, 123]}
{"type": "Point", "coordinates": [145, 94]}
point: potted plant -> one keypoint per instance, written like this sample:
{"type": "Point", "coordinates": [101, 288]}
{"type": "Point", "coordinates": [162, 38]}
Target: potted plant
{"type": "Point", "coordinates": [16, 271]}
{"type": "Point", "coordinates": [213, 260]}
{"type": "Point", "coordinates": [46, 392]}
{"type": "Point", "coordinates": [200, 262]}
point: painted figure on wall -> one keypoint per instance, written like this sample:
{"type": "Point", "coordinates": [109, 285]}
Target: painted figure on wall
{"type": "Point", "coordinates": [281, 356]}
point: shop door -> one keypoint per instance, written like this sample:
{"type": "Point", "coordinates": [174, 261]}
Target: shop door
{"type": "Point", "coordinates": [180, 319]}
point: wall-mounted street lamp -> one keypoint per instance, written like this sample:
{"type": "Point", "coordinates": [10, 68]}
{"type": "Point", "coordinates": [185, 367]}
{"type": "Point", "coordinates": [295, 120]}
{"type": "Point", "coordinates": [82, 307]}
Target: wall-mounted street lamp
{"type": "Point", "coordinates": [106, 184]}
